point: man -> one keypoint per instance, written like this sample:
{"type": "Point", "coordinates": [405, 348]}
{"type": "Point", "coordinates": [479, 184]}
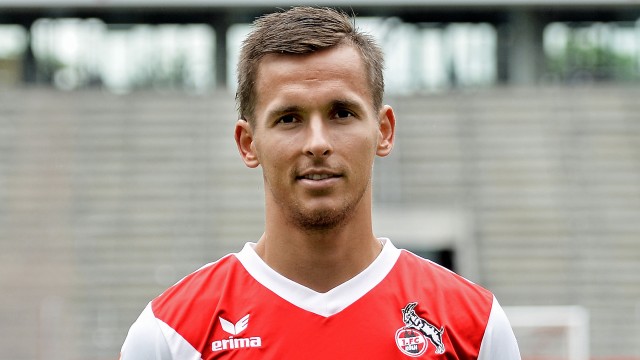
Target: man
{"type": "Point", "coordinates": [318, 284]}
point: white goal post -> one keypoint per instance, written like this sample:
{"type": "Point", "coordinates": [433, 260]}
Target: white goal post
{"type": "Point", "coordinates": [569, 322]}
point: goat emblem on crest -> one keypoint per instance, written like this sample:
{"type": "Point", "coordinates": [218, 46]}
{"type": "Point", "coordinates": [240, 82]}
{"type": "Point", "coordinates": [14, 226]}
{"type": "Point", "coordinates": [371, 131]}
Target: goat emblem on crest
{"type": "Point", "coordinates": [413, 338]}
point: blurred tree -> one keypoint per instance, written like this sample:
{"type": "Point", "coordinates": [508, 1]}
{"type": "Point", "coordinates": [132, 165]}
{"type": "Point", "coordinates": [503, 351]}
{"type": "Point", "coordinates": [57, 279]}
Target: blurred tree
{"type": "Point", "coordinates": [585, 61]}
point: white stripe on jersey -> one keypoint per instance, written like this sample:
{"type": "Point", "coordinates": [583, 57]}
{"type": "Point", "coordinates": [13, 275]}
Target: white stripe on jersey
{"type": "Point", "coordinates": [152, 339]}
{"type": "Point", "coordinates": [498, 342]}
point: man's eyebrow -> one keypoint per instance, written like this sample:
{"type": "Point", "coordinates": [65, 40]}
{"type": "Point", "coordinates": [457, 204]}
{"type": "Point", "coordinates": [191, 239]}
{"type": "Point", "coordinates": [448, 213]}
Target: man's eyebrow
{"type": "Point", "coordinates": [295, 109]}
{"type": "Point", "coordinates": [283, 110]}
{"type": "Point", "coordinates": [345, 104]}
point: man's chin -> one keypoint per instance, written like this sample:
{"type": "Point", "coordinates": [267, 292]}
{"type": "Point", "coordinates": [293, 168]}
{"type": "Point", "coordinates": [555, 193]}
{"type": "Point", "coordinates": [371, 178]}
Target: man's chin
{"type": "Point", "coordinates": [318, 220]}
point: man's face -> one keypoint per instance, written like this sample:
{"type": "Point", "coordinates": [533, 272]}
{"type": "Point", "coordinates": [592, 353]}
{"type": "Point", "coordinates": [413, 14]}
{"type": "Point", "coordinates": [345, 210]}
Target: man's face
{"type": "Point", "coordinates": [315, 134]}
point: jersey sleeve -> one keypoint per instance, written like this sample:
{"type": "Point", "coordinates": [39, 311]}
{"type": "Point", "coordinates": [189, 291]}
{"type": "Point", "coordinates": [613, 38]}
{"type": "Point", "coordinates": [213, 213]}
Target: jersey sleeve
{"type": "Point", "coordinates": [145, 340]}
{"type": "Point", "coordinates": [499, 342]}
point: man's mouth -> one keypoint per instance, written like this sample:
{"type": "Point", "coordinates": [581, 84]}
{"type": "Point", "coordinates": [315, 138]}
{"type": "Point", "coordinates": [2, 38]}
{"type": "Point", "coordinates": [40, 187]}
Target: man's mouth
{"type": "Point", "coordinates": [318, 176]}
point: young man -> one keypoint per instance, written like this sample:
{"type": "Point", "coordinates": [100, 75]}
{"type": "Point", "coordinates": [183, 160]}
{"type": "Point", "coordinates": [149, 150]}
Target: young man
{"type": "Point", "coordinates": [318, 284]}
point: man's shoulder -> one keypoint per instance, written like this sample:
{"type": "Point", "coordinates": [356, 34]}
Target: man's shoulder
{"type": "Point", "coordinates": [445, 300]}
{"type": "Point", "coordinates": [200, 285]}
{"type": "Point", "coordinates": [177, 311]}
{"type": "Point", "coordinates": [438, 279]}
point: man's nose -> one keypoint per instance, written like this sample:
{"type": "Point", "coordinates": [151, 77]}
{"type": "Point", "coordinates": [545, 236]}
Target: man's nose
{"type": "Point", "coordinates": [318, 141]}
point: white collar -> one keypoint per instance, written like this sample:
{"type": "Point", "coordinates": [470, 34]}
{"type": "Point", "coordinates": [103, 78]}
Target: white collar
{"type": "Point", "coordinates": [323, 304]}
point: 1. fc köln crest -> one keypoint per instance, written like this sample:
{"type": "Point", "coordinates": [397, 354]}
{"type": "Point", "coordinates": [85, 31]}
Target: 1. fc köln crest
{"type": "Point", "coordinates": [414, 337]}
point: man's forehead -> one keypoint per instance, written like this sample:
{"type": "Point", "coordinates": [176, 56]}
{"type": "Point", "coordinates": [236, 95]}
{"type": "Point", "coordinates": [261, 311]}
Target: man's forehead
{"type": "Point", "coordinates": [341, 67]}
{"type": "Point", "coordinates": [343, 51]}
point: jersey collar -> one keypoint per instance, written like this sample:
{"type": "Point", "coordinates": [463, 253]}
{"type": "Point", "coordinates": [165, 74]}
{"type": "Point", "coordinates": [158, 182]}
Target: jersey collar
{"type": "Point", "coordinates": [323, 304]}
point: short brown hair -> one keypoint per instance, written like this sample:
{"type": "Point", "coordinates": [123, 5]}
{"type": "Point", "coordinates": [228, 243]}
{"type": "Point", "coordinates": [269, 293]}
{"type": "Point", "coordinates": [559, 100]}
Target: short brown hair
{"type": "Point", "coordinates": [303, 30]}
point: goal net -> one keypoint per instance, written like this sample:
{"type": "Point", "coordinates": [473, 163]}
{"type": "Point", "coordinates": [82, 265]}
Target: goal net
{"type": "Point", "coordinates": [551, 332]}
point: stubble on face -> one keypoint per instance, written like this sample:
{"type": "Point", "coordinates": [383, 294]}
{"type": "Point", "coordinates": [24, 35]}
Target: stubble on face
{"type": "Point", "coordinates": [315, 219]}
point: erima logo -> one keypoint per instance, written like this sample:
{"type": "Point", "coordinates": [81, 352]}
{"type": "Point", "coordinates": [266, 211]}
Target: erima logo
{"type": "Point", "coordinates": [233, 342]}
{"type": "Point", "coordinates": [234, 329]}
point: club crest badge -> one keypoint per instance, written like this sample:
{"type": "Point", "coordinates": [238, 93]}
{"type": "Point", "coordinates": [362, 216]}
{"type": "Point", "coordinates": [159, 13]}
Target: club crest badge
{"type": "Point", "coordinates": [414, 337]}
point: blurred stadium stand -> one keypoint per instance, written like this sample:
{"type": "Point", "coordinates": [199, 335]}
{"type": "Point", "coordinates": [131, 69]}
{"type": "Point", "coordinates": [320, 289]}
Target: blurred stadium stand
{"type": "Point", "coordinates": [105, 200]}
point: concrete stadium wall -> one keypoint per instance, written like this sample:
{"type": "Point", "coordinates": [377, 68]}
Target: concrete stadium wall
{"type": "Point", "coordinates": [106, 200]}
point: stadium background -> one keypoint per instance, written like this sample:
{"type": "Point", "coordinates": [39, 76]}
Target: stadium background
{"type": "Point", "coordinates": [517, 162]}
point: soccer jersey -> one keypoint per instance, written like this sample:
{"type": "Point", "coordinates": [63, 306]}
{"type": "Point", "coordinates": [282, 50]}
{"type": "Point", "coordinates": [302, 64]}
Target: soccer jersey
{"type": "Point", "coordinates": [400, 307]}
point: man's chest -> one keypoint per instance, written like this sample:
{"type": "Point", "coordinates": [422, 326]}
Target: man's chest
{"type": "Point", "coordinates": [401, 316]}
{"type": "Point", "coordinates": [369, 329]}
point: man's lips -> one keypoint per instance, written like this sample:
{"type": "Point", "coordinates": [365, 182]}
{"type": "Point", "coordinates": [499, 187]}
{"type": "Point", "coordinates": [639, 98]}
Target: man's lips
{"type": "Point", "coordinates": [318, 175]}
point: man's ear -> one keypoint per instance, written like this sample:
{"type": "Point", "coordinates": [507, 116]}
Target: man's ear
{"type": "Point", "coordinates": [386, 131]}
{"type": "Point", "coordinates": [244, 140]}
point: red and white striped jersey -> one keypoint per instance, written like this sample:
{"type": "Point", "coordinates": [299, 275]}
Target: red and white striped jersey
{"type": "Point", "coordinates": [400, 307]}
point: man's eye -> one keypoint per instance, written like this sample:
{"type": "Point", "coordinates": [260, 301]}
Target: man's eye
{"type": "Point", "coordinates": [343, 113]}
{"type": "Point", "coordinates": [287, 119]}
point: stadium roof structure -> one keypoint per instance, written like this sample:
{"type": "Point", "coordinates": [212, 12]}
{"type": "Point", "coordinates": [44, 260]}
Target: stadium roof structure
{"type": "Point", "coordinates": [525, 19]}
{"type": "Point", "coordinates": [347, 3]}
{"type": "Point", "coordinates": [236, 11]}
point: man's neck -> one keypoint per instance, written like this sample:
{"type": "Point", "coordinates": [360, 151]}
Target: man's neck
{"type": "Point", "coordinates": [322, 259]}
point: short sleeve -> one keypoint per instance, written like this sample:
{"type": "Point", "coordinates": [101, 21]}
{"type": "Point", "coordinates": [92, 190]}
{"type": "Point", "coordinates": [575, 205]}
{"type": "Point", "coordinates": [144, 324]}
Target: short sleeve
{"type": "Point", "coordinates": [499, 342]}
{"type": "Point", "coordinates": [145, 340]}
